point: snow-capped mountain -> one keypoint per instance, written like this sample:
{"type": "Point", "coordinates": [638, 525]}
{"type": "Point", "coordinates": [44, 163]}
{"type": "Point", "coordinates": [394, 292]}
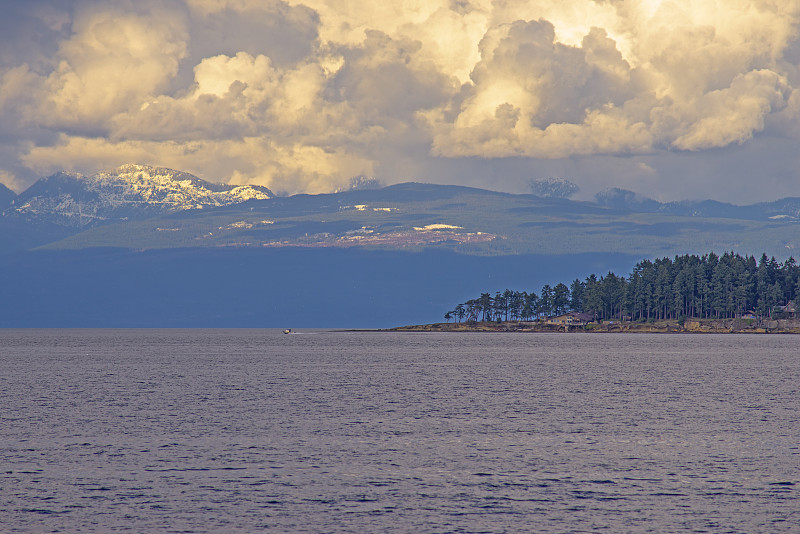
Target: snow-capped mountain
{"type": "Point", "coordinates": [128, 192]}
{"type": "Point", "coordinates": [553, 187]}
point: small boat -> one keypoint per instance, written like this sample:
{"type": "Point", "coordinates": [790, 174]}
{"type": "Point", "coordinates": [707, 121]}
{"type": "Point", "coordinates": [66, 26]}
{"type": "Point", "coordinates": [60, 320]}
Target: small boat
{"type": "Point", "coordinates": [287, 331]}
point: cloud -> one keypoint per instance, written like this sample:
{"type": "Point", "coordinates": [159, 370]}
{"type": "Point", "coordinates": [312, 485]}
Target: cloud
{"type": "Point", "coordinates": [31, 33]}
{"type": "Point", "coordinates": [318, 118]}
{"type": "Point", "coordinates": [532, 96]}
{"type": "Point", "coordinates": [301, 95]}
{"type": "Point", "coordinates": [113, 61]}
{"type": "Point", "coordinates": [285, 33]}
{"type": "Point", "coordinates": [733, 114]}
{"type": "Point", "coordinates": [384, 79]}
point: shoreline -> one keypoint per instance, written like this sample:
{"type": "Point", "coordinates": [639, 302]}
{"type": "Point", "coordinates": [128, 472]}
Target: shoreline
{"type": "Point", "coordinates": [687, 326]}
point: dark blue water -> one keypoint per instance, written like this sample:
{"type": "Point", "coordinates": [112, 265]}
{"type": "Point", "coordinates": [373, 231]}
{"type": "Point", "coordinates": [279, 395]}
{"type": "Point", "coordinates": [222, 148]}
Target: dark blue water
{"type": "Point", "coordinates": [239, 431]}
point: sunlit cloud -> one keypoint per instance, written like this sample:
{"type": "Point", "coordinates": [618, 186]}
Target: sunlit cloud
{"type": "Point", "coordinates": [301, 95]}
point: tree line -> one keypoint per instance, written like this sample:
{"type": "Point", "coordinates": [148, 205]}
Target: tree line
{"type": "Point", "coordinates": [707, 286]}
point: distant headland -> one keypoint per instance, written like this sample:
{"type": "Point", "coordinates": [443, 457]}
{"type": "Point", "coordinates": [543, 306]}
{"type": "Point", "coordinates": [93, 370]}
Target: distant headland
{"type": "Point", "coordinates": [690, 293]}
{"type": "Point", "coordinates": [685, 326]}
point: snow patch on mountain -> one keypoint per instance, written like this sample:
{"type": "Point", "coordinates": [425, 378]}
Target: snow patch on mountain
{"type": "Point", "coordinates": [127, 192]}
{"type": "Point", "coordinates": [437, 227]}
{"type": "Point", "coordinates": [365, 207]}
{"type": "Point", "coordinates": [166, 187]}
{"type": "Point", "coordinates": [553, 187]}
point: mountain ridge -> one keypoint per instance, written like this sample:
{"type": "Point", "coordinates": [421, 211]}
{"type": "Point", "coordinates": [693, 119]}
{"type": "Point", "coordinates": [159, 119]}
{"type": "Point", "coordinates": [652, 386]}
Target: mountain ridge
{"type": "Point", "coordinates": [130, 191]}
{"type": "Point", "coordinates": [134, 191]}
{"type": "Point", "coordinates": [624, 199]}
{"type": "Point", "coordinates": [141, 207]}
{"type": "Point", "coordinates": [469, 221]}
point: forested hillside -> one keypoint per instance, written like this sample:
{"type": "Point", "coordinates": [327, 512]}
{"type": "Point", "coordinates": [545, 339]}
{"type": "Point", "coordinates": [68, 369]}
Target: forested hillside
{"type": "Point", "coordinates": [707, 286]}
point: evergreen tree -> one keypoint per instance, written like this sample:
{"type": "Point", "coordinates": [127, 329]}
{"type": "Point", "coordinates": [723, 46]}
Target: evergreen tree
{"type": "Point", "coordinates": [546, 301]}
{"type": "Point", "coordinates": [460, 312]}
{"type": "Point", "coordinates": [592, 300]}
{"type": "Point", "coordinates": [531, 306]}
{"type": "Point", "coordinates": [486, 306]}
{"type": "Point", "coordinates": [685, 286]}
{"type": "Point", "coordinates": [576, 295]}
{"type": "Point", "coordinates": [560, 299]}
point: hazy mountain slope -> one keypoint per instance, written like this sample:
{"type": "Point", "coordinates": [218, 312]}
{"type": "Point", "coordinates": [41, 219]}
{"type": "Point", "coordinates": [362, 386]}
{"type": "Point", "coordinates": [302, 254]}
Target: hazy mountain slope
{"type": "Point", "coordinates": [622, 199]}
{"type": "Point", "coordinates": [785, 208]}
{"type": "Point", "coordinates": [6, 196]}
{"type": "Point", "coordinates": [17, 234]}
{"type": "Point", "coordinates": [142, 207]}
{"type": "Point", "coordinates": [465, 220]}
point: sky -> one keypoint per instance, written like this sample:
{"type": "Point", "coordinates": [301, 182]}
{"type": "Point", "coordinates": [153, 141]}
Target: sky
{"type": "Point", "coordinates": [673, 99]}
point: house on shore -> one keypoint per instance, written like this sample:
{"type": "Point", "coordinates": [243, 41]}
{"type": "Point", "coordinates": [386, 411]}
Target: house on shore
{"type": "Point", "coordinates": [570, 319]}
{"type": "Point", "coordinates": [789, 311]}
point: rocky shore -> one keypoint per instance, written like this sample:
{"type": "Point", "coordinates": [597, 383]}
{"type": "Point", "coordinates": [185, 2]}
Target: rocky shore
{"type": "Point", "coordinates": [687, 326]}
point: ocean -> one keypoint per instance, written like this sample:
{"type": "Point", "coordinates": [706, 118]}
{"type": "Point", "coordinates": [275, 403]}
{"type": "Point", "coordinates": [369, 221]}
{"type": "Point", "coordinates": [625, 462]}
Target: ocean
{"type": "Point", "coordinates": [251, 430]}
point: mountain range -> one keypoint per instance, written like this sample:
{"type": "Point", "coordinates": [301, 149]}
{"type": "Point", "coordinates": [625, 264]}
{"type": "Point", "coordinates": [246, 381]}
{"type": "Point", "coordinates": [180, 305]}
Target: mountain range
{"type": "Point", "coordinates": [127, 193]}
{"type": "Point", "coordinates": [148, 246]}
{"type": "Point", "coordinates": [140, 207]}
{"type": "Point", "coordinates": [785, 208]}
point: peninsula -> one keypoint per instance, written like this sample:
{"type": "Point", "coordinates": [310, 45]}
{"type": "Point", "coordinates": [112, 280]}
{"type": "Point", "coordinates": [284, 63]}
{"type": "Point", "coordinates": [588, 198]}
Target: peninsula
{"type": "Point", "coordinates": [709, 293]}
{"type": "Point", "coordinates": [686, 326]}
